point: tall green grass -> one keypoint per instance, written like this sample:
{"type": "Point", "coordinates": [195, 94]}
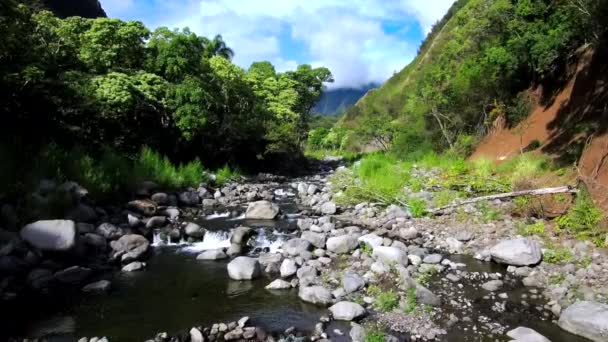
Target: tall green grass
{"type": "Point", "coordinates": [226, 174]}
{"type": "Point", "coordinates": [152, 166]}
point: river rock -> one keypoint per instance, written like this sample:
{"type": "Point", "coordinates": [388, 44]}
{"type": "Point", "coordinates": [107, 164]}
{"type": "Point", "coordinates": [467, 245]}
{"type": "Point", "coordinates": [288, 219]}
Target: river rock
{"type": "Point", "coordinates": [288, 268]}
{"type": "Point", "coordinates": [352, 282]}
{"type": "Point", "coordinates": [316, 239]}
{"type": "Point", "coordinates": [131, 247]}
{"type": "Point", "coordinates": [372, 240]}
{"type": "Point", "coordinates": [492, 285]}
{"type": "Point", "coordinates": [523, 334]}
{"type": "Point", "coordinates": [244, 268]}
{"type": "Point", "coordinates": [82, 213]}
{"type": "Point", "coordinates": [194, 230]}
{"type": "Point", "coordinates": [517, 252]}
{"type": "Point", "coordinates": [315, 295]}
{"type": "Point", "coordinates": [134, 266]}
{"type": "Point", "coordinates": [390, 255]}
{"type": "Point", "coordinates": [342, 244]}
{"type": "Point", "coordinates": [196, 335]}
{"type": "Point", "coordinates": [307, 275]}
{"type": "Point", "coordinates": [144, 207]}
{"type": "Point", "coordinates": [426, 296]}
{"type": "Point", "coordinates": [357, 332]}
{"type": "Point", "coordinates": [454, 246]}
{"type": "Point", "coordinates": [266, 259]}
{"type": "Point", "coordinates": [109, 231]}
{"type": "Point", "coordinates": [156, 222]}
{"type": "Point", "coordinates": [408, 233]}
{"type": "Point", "coordinates": [328, 208]}
{"type": "Point", "coordinates": [55, 235]}
{"type": "Point", "coordinates": [432, 259]}
{"type": "Point", "coordinates": [295, 247]}
{"type": "Point", "coordinates": [212, 254]}
{"type": "Point", "coordinates": [241, 235]}
{"type": "Point", "coordinates": [278, 284]}
{"type": "Point", "coordinates": [160, 198]}
{"type": "Point", "coordinates": [98, 287]}
{"type": "Point", "coordinates": [586, 319]}
{"type": "Point", "coordinates": [39, 278]}
{"type": "Point", "coordinates": [96, 241]}
{"type": "Point", "coordinates": [262, 210]}
{"type": "Point", "coordinates": [73, 275]}
{"type": "Point", "coordinates": [189, 198]}
{"type": "Point", "coordinates": [346, 311]}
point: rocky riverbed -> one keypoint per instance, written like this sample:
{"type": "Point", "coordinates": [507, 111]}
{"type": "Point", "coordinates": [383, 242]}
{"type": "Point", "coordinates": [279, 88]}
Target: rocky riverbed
{"type": "Point", "coordinates": [340, 272]}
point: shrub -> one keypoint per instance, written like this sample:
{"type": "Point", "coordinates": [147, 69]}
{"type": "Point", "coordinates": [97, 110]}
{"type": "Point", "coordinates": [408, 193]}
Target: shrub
{"type": "Point", "coordinates": [537, 229]}
{"type": "Point", "coordinates": [488, 212]}
{"type": "Point", "coordinates": [482, 167]}
{"type": "Point", "coordinates": [374, 333]}
{"type": "Point", "coordinates": [152, 166]}
{"type": "Point", "coordinates": [583, 218]}
{"type": "Point", "coordinates": [558, 255]}
{"type": "Point", "coordinates": [226, 174]}
{"type": "Point", "coordinates": [444, 198]}
{"type": "Point", "coordinates": [411, 303]}
{"type": "Point", "coordinates": [366, 248]}
{"type": "Point", "coordinates": [386, 301]}
{"type": "Point", "coordinates": [465, 145]}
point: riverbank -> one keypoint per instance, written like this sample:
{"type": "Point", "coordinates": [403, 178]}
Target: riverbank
{"type": "Point", "coordinates": [447, 278]}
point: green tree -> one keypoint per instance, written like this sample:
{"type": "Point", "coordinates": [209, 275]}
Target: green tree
{"type": "Point", "coordinates": [217, 47]}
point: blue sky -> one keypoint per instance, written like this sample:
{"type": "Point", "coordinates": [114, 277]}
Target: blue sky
{"type": "Point", "coordinates": [360, 41]}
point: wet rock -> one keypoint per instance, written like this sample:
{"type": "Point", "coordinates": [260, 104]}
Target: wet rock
{"type": "Point", "coordinates": [144, 207]}
{"type": "Point", "coordinates": [101, 286]}
{"type": "Point", "coordinates": [425, 296]}
{"type": "Point", "coordinates": [212, 254]}
{"type": "Point", "coordinates": [492, 285]}
{"type": "Point", "coordinates": [196, 335]}
{"type": "Point", "coordinates": [244, 268]}
{"type": "Point", "coordinates": [432, 259]}
{"type": "Point", "coordinates": [328, 208]}
{"type": "Point", "coordinates": [209, 203]}
{"type": "Point", "coordinates": [390, 255]}
{"type": "Point", "coordinates": [357, 333]}
{"type": "Point", "coordinates": [156, 222]}
{"type": "Point", "coordinates": [523, 334]}
{"type": "Point", "coordinates": [39, 278]}
{"type": "Point", "coordinates": [73, 275]}
{"type": "Point", "coordinates": [372, 240]}
{"type": "Point", "coordinates": [134, 266]}
{"type": "Point", "coordinates": [295, 247]}
{"type": "Point", "coordinates": [352, 282]}
{"type": "Point", "coordinates": [189, 198]}
{"type": "Point", "coordinates": [346, 311]}
{"type": "Point", "coordinates": [517, 252]}
{"type": "Point", "coordinates": [342, 244]}
{"type": "Point", "coordinates": [307, 275]}
{"type": "Point", "coordinates": [54, 236]}
{"type": "Point", "coordinates": [160, 198]}
{"type": "Point", "coordinates": [278, 284]}
{"type": "Point", "coordinates": [262, 210]}
{"type": "Point", "coordinates": [82, 213]}
{"type": "Point", "coordinates": [586, 319]}
{"type": "Point", "coordinates": [454, 246]}
{"type": "Point", "coordinates": [194, 230]}
{"type": "Point", "coordinates": [109, 231]}
{"type": "Point", "coordinates": [270, 258]}
{"type": "Point", "coordinates": [316, 239]}
{"type": "Point", "coordinates": [315, 294]}
{"type": "Point", "coordinates": [241, 235]}
{"type": "Point", "coordinates": [234, 334]}
{"type": "Point", "coordinates": [131, 247]}
{"type": "Point", "coordinates": [288, 268]}
{"type": "Point", "coordinates": [96, 241]}
{"type": "Point", "coordinates": [464, 235]}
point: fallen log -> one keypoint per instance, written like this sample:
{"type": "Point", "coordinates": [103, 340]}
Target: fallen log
{"type": "Point", "coordinates": [537, 192]}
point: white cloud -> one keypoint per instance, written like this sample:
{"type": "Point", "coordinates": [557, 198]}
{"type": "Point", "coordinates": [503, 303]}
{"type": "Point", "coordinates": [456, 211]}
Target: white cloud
{"type": "Point", "coordinates": [347, 36]}
{"type": "Point", "coordinates": [117, 7]}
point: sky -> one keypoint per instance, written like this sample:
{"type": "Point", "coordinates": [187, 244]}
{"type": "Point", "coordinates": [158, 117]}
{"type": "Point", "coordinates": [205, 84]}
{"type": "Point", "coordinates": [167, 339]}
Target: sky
{"type": "Point", "coordinates": [360, 41]}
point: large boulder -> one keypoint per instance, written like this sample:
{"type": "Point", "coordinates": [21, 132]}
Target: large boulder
{"type": "Point", "coordinates": [54, 236]}
{"type": "Point", "coordinates": [295, 247]}
{"type": "Point", "coordinates": [315, 294]}
{"type": "Point", "coordinates": [278, 284]}
{"type": "Point", "coordinates": [144, 207]}
{"type": "Point", "coordinates": [317, 239]}
{"type": "Point", "coordinates": [372, 240]}
{"type": "Point", "coordinates": [288, 268]}
{"type": "Point", "coordinates": [342, 244]}
{"type": "Point", "coordinates": [586, 319]}
{"type": "Point", "coordinates": [517, 252]}
{"type": "Point", "coordinates": [241, 235]}
{"type": "Point", "coordinates": [346, 311]}
{"type": "Point", "coordinates": [262, 210]}
{"type": "Point", "coordinates": [244, 268]}
{"type": "Point", "coordinates": [352, 282]}
{"type": "Point", "coordinates": [390, 255]}
{"type": "Point", "coordinates": [523, 334]}
{"type": "Point", "coordinates": [131, 247]}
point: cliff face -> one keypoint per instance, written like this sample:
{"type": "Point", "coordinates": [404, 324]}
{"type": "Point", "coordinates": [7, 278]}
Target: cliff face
{"type": "Point", "coordinates": [80, 8]}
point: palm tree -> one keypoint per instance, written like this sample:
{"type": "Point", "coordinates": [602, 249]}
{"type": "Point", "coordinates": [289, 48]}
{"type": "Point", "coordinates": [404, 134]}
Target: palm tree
{"type": "Point", "coordinates": [218, 47]}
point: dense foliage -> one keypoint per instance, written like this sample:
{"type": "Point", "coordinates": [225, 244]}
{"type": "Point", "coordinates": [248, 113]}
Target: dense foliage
{"type": "Point", "coordinates": [110, 84]}
{"type": "Point", "coordinates": [473, 68]}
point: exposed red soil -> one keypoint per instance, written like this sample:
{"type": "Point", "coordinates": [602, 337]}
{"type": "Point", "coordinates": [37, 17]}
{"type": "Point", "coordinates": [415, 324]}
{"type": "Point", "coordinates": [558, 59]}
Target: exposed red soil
{"type": "Point", "coordinates": [569, 121]}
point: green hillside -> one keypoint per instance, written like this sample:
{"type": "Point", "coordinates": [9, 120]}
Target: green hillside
{"type": "Point", "coordinates": [473, 67]}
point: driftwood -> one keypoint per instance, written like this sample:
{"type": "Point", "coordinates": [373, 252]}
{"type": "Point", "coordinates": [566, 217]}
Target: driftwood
{"type": "Point", "coordinates": [537, 192]}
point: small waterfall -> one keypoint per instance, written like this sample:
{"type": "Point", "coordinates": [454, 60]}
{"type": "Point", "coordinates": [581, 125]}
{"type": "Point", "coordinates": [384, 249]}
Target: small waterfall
{"type": "Point", "coordinates": [157, 240]}
{"type": "Point", "coordinates": [262, 241]}
{"type": "Point", "coordinates": [212, 240]}
{"type": "Point", "coordinates": [283, 193]}
{"type": "Point", "coordinates": [240, 217]}
{"type": "Point", "coordinates": [216, 215]}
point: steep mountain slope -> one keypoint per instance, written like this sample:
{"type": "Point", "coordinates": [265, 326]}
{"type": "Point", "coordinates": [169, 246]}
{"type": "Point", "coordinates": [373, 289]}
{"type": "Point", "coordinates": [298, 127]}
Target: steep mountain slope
{"type": "Point", "coordinates": [337, 101]}
{"type": "Point", "coordinates": [80, 8]}
{"type": "Point", "coordinates": [475, 65]}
